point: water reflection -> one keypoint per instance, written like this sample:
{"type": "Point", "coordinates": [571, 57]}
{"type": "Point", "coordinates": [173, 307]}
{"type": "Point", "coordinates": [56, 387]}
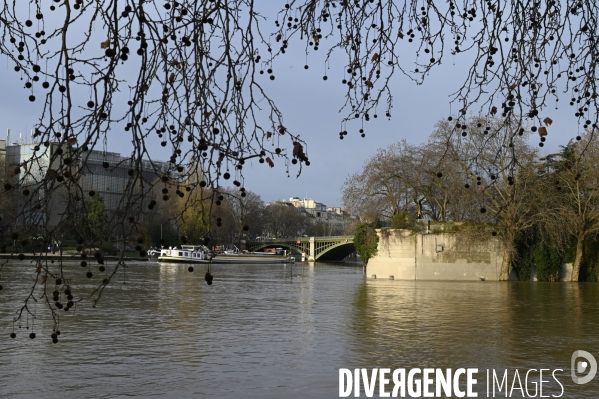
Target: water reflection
{"type": "Point", "coordinates": [280, 331]}
{"type": "Point", "coordinates": [407, 324]}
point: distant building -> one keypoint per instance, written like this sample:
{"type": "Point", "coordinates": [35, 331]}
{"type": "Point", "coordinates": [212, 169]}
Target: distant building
{"type": "Point", "coordinates": [107, 173]}
{"type": "Point", "coordinates": [333, 220]}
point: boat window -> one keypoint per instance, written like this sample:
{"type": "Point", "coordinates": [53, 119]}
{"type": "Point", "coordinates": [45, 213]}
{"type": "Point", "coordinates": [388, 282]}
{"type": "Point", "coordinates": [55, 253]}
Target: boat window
{"type": "Point", "coordinates": [180, 253]}
{"type": "Point", "coordinates": [186, 253]}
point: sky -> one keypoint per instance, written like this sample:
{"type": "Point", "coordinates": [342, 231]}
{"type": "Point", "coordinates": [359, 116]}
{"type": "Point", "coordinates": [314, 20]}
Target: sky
{"type": "Point", "coordinates": [311, 108]}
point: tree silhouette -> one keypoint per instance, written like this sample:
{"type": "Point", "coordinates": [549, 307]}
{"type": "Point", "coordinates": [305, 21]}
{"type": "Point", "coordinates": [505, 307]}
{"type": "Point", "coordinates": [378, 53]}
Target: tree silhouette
{"type": "Point", "coordinates": [193, 76]}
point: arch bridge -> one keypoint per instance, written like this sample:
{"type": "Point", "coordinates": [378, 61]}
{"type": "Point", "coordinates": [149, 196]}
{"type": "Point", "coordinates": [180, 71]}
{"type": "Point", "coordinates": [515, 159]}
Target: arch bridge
{"type": "Point", "coordinates": [315, 248]}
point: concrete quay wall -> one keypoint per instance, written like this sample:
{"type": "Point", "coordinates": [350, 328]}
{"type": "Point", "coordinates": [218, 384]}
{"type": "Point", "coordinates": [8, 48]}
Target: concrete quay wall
{"type": "Point", "coordinates": [404, 255]}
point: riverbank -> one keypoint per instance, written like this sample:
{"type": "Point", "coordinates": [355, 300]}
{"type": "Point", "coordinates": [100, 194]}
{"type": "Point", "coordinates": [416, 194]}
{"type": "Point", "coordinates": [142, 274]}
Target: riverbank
{"type": "Point", "coordinates": [67, 255]}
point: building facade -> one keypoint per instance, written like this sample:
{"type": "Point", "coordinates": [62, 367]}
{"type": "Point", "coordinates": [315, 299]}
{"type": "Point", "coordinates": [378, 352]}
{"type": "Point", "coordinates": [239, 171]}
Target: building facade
{"type": "Point", "coordinates": [321, 220]}
{"type": "Point", "coordinates": [37, 168]}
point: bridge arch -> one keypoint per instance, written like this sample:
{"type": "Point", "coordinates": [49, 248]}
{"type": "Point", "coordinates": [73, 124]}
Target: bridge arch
{"type": "Point", "coordinates": [316, 248]}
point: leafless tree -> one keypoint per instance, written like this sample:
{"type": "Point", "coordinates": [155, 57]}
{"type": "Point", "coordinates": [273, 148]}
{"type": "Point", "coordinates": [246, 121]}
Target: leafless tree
{"type": "Point", "coordinates": [575, 176]}
{"type": "Point", "coordinates": [193, 75]}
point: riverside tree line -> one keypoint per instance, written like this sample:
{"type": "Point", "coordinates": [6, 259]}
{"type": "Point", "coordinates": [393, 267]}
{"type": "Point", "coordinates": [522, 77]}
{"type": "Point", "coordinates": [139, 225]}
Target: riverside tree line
{"type": "Point", "coordinates": [195, 80]}
{"type": "Point", "coordinates": [543, 208]}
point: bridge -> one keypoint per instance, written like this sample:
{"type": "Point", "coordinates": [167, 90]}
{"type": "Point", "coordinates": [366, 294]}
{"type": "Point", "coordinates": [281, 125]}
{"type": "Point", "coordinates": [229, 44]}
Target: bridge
{"type": "Point", "coordinates": [315, 248]}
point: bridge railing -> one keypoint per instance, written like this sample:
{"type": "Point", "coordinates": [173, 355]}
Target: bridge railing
{"type": "Point", "coordinates": [322, 238]}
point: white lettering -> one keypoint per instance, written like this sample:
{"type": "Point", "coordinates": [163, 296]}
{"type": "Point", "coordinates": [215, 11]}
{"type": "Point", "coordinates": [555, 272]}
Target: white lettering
{"type": "Point", "coordinates": [414, 383]}
{"type": "Point", "coordinates": [471, 381]}
{"type": "Point", "coordinates": [426, 383]}
{"type": "Point", "coordinates": [560, 384]}
{"type": "Point", "coordinates": [534, 383]}
{"type": "Point", "coordinates": [369, 385]}
{"type": "Point", "coordinates": [541, 384]}
{"type": "Point", "coordinates": [456, 383]}
{"type": "Point", "coordinates": [496, 381]}
{"type": "Point", "coordinates": [356, 383]}
{"type": "Point", "coordinates": [399, 383]}
{"type": "Point", "coordinates": [345, 388]}
{"type": "Point", "coordinates": [516, 376]}
{"type": "Point", "coordinates": [444, 382]}
{"type": "Point", "coordinates": [382, 382]}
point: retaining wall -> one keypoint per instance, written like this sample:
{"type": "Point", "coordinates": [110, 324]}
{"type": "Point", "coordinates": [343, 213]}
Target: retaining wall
{"type": "Point", "coordinates": [441, 256]}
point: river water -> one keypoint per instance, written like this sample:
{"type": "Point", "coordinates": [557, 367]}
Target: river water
{"type": "Point", "coordinates": [257, 332]}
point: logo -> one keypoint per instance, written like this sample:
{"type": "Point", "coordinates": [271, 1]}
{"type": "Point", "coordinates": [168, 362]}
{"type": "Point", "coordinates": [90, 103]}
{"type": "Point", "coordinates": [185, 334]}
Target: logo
{"type": "Point", "coordinates": [582, 366]}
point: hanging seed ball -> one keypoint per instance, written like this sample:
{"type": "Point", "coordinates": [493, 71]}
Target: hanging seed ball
{"type": "Point", "coordinates": [92, 193]}
{"type": "Point", "coordinates": [32, 335]}
{"type": "Point", "coordinates": [7, 186]}
{"type": "Point", "coordinates": [90, 104]}
{"type": "Point", "coordinates": [89, 274]}
{"type": "Point", "coordinates": [70, 297]}
{"type": "Point", "coordinates": [494, 233]}
{"type": "Point", "coordinates": [21, 256]}
{"type": "Point", "coordinates": [483, 210]}
{"type": "Point", "coordinates": [97, 255]}
{"type": "Point", "coordinates": [105, 165]}
{"type": "Point", "coordinates": [58, 281]}
{"type": "Point", "coordinates": [143, 254]}
{"type": "Point", "coordinates": [1, 287]}
{"type": "Point", "coordinates": [246, 228]}
{"type": "Point", "coordinates": [105, 281]}
{"type": "Point", "coordinates": [578, 138]}
{"type": "Point", "coordinates": [227, 176]}
{"type": "Point", "coordinates": [467, 185]}
{"type": "Point", "coordinates": [54, 340]}
{"type": "Point", "coordinates": [439, 174]}
{"type": "Point", "coordinates": [70, 304]}
{"type": "Point", "coordinates": [67, 291]}
{"type": "Point", "coordinates": [32, 98]}
{"type": "Point", "coordinates": [13, 335]}
{"type": "Point", "coordinates": [190, 269]}
{"type": "Point", "coordinates": [102, 268]}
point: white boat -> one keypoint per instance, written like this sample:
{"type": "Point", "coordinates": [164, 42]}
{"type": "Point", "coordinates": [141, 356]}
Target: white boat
{"type": "Point", "coordinates": [201, 254]}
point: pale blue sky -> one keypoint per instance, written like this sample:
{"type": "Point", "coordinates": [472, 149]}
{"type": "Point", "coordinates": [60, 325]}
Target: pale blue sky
{"type": "Point", "coordinates": [311, 106]}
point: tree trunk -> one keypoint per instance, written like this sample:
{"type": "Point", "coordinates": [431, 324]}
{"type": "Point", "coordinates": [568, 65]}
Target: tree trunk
{"type": "Point", "coordinates": [508, 254]}
{"type": "Point", "coordinates": [506, 264]}
{"type": "Point", "coordinates": [577, 258]}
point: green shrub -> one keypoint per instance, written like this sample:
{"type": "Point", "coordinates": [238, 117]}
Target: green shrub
{"type": "Point", "coordinates": [366, 241]}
